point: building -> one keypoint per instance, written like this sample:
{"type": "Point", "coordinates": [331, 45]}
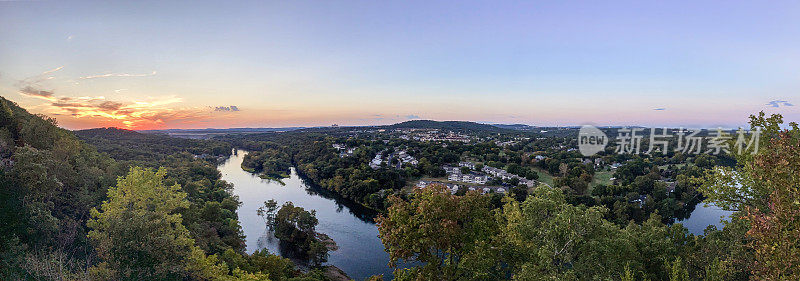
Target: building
{"type": "Point", "coordinates": [376, 162]}
{"type": "Point", "coordinates": [467, 164]}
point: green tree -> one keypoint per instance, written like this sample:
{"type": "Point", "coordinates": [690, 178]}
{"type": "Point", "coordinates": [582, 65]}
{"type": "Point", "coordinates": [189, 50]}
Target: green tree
{"type": "Point", "coordinates": [437, 229]}
{"type": "Point", "coordinates": [138, 232]}
{"type": "Point", "coordinates": [297, 226]}
{"type": "Point", "coordinates": [763, 188]}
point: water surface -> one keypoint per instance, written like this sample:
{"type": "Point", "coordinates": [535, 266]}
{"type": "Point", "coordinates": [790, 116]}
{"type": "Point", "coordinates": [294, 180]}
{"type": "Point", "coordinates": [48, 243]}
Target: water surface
{"type": "Point", "coordinates": [703, 216]}
{"type": "Point", "coordinates": [360, 252]}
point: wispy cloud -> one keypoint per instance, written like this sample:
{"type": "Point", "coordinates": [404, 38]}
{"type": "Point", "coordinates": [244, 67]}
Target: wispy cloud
{"type": "Point", "coordinates": [779, 103]}
{"type": "Point", "coordinates": [31, 86]}
{"type": "Point", "coordinates": [660, 108]}
{"type": "Point", "coordinates": [412, 116]}
{"type": "Point", "coordinates": [34, 81]}
{"type": "Point", "coordinates": [135, 114]}
{"type": "Point", "coordinates": [117, 75]}
{"type": "Point", "coordinates": [37, 93]}
{"type": "Point", "coordinates": [52, 70]}
{"type": "Point", "coordinates": [226, 108]}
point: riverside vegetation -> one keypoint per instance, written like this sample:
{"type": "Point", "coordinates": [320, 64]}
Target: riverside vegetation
{"type": "Point", "coordinates": [111, 204]}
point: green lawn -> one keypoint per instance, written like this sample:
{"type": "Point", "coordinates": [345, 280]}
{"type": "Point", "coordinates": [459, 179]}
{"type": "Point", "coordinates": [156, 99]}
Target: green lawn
{"type": "Point", "coordinates": [544, 176]}
{"type": "Point", "coordinates": [602, 177]}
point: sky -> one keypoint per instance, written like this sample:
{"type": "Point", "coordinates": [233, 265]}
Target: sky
{"type": "Point", "coordinates": [220, 64]}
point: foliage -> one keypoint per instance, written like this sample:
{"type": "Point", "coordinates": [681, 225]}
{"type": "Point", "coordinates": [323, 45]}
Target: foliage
{"type": "Point", "coordinates": [50, 180]}
{"type": "Point", "coordinates": [437, 229]}
{"type": "Point", "coordinates": [297, 227]}
{"type": "Point", "coordinates": [764, 189]}
{"type": "Point", "coordinates": [138, 232]}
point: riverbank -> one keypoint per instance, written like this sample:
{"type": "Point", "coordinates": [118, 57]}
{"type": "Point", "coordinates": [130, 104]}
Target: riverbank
{"type": "Point", "coordinates": [360, 253]}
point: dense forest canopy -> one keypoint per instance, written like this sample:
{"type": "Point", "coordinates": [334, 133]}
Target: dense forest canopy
{"type": "Point", "coordinates": [112, 204]}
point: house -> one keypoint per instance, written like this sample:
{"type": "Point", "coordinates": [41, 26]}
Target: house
{"type": "Point", "coordinates": [640, 200]}
{"type": "Point", "coordinates": [671, 187]}
{"type": "Point", "coordinates": [451, 169]}
{"type": "Point", "coordinates": [467, 164]}
{"type": "Point", "coordinates": [527, 182]}
{"type": "Point", "coordinates": [480, 179]}
{"type": "Point", "coordinates": [454, 177]}
{"type": "Point", "coordinates": [376, 162]}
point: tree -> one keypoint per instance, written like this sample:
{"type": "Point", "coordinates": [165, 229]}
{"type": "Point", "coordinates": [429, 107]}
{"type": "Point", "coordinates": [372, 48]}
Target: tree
{"type": "Point", "coordinates": [437, 229]}
{"type": "Point", "coordinates": [268, 211]}
{"type": "Point", "coordinates": [764, 191]}
{"type": "Point", "coordinates": [296, 226]}
{"type": "Point", "coordinates": [138, 233]}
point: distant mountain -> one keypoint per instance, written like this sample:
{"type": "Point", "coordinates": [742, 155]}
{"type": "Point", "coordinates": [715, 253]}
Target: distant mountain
{"type": "Point", "coordinates": [227, 130]}
{"type": "Point", "coordinates": [110, 133]}
{"type": "Point", "coordinates": [518, 127]}
{"type": "Point", "coordinates": [447, 125]}
{"type": "Point", "coordinates": [124, 144]}
{"type": "Point", "coordinates": [210, 132]}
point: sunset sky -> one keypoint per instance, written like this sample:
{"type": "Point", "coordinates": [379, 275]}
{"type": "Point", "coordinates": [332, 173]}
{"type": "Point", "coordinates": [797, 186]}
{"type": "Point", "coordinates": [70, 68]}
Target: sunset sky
{"type": "Point", "coordinates": [169, 64]}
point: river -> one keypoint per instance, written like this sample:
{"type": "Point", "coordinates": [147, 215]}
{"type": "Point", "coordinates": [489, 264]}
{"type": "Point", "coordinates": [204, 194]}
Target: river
{"type": "Point", "coordinates": [360, 252]}
{"type": "Point", "coordinates": [703, 216]}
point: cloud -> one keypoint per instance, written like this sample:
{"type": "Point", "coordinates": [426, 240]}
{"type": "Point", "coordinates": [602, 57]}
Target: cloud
{"type": "Point", "coordinates": [36, 93]}
{"type": "Point", "coordinates": [52, 70]}
{"type": "Point", "coordinates": [660, 109]}
{"type": "Point", "coordinates": [148, 113]}
{"type": "Point", "coordinates": [117, 75]}
{"type": "Point", "coordinates": [226, 108]}
{"type": "Point", "coordinates": [412, 116]}
{"type": "Point", "coordinates": [31, 84]}
{"type": "Point", "coordinates": [137, 114]}
{"type": "Point", "coordinates": [134, 114]}
{"type": "Point", "coordinates": [779, 103]}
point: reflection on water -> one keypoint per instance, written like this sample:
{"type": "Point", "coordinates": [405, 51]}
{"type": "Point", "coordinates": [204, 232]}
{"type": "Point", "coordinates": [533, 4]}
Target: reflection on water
{"type": "Point", "coordinates": [703, 216]}
{"type": "Point", "coordinates": [360, 252]}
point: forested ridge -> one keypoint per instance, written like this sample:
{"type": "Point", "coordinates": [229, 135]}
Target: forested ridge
{"type": "Point", "coordinates": [643, 178]}
{"type": "Point", "coordinates": [545, 237]}
{"type": "Point", "coordinates": [119, 205]}
{"type": "Point", "coordinates": [110, 204]}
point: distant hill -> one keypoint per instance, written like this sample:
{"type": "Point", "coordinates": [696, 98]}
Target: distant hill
{"type": "Point", "coordinates": [124, 144]}
{"type": "Point", "coordinates": [210, 132]}
{"type": "Point", "coordinates": [518, 127]}
{"type": "Point", "coordinates": [448, 125]}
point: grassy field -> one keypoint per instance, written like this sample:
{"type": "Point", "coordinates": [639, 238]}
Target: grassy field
{"type": "Point", "coordinates": [544, 177]}
{"type": "Point", "coordinates": [602, 177]}
{"type": "Point", "coordinates": [413, 182]}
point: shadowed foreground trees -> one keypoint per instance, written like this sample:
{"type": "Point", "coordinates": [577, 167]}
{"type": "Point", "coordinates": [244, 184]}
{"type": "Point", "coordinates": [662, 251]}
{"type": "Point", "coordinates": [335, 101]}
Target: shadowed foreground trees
{"type": "Point", "coordinates": [139, 235]}
{"type": "Point", "coordinates": [138, 232]}
{"type": "Point", "coordinates": [544, 237]}
{"type": "Point", "coordinates": [764, 189]}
